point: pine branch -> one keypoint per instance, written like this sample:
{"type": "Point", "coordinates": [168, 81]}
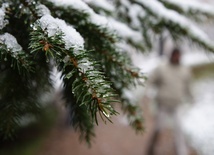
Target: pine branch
{"type": "Point", "coordinates": [84, 45]}
{"type": "Point", "coordinates": [132, 15]}
{"type": "Point", "coordinates": [20, 96]}
{"type": "Point", "coordinates": [10, 49]}
{"type": "Point", "coordinates": [31, 5]}
{"type": "Point", "coordinates": [82, 19]}
{"type": "Point", "coordinates": [81, 75]}
{"type": "Point", "coordinates": [195, 10]}
{"type": "Point", "coordinates": [21, 83]}
{"type": "Point", "coordinates": [133, 112]}
{"type": "Point", "coordinates": [175, 23]}
{"type": "Point", "coordinates": [100, 7]}
{"type": "Point", "coordinates": [80, 117]}
{"type": "Point", "coordinates": [123, 77]}
{"type": "Point", "coordinates": [20, 91]}
{"type": "Point", "coordinates": [88, 22]}
{"type": "Point", "coordinates": [3, 20]}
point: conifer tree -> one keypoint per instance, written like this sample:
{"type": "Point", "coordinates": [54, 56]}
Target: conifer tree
{"type": "Point", "coordinates": [85, 40]}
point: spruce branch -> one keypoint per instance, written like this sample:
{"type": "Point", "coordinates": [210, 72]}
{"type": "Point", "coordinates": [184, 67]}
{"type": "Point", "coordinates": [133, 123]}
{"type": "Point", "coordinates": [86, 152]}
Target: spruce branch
{"type": "Point", "coordinates": [175, 23]}
{"type": "Point", "coordinates": [124, 77]}
{"type": "Point", "coordinates": [113, 65]}
{"type": "Point", "coordinates": [84, 44]}
{"type": "Point", "coordinates": [20, 95]}
{"type": "Point", "coordinates": [11, 51]}
{"type": "Point", "coordinates": [134, 114]}
{"type": "Point", "coordinates": [3, 15]}
{"type": "Point", "coordinates": [204, 11]}
{"type": "Point", "coordinates": [112, 60]}
{"type": "Point", "coordinates": [103, 7]}
{"type": "Point", "coordinates": [89, 86]}
{"type": "Point", "coordinates": [21, 83]}
{"type": "Point", "coordinates": [83, 20]}
{"type": "Point", "coordinates": [31, 5]}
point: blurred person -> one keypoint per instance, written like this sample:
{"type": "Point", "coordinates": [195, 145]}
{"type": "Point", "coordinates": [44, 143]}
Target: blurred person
{"type": "Point", "coordinates": [172, 82]}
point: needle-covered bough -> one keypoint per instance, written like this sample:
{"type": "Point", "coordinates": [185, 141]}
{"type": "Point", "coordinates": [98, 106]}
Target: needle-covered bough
{"type": "Point", "coordinates": [86, 40]}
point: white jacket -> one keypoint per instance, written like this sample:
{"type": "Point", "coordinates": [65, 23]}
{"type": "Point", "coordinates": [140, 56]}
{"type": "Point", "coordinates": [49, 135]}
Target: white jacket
{"type": "Point", "coordinates": [172, 83]}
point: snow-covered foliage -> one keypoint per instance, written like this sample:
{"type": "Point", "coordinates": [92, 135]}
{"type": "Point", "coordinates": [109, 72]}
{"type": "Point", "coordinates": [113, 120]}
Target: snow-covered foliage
{"type": "Point", "coordinates": [192, 7]}
{"type": "Point", "coordinates": [55, 26]}
{"type": "Point", "coordinates": [139, 14]}
{"type": "Point", "coordinates": [121, 29]}
{"type": "Point", "coordinates": [42, 10]}
{"type": "Point", "coordinates": [88, 41]}
{"type": "Point", "coordinates": [124, 31]}
{"type": "Point", "coordinates": [81, 6]}
{"type": "Point", "coordinates": [171, 17]}
{"type": "Point", "coordinates": [3, 21]}
{"type": "Point", "coordinates": [10, 42]}
{"type": "Point", "coordinates": [102, 4]}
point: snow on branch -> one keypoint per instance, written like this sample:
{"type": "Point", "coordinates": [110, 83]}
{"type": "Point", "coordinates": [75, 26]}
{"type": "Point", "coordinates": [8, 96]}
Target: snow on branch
{"type": "Point", "coordinates": [158, 10]}
{"type": "Point", "coordinates": [10, 42]}
{"type": "Point", "coordinates": [124, 31]}
{"type": "Point", "coordinates": [10, 47]}
{"type": "Point", "coordinates": [89, 87]}
{"type": "Point", "coordinates": [42, 10]}
{"type": "Point", "coordinates": [191, 6]}
{"type": "Point", "coordinates": [102, 4]}
{"type": "Point", "coordinates": [133, 11]}
{"type": "Point", "coordinates": [121, 29]}
{"type": "Point", "coordinates": [55, 26]}
{"type": "Point", "coordinates": [76, 4]}
{"type": "Point", "coordinates": [70, 36]}
{"type": "Point", "coordinates": [3, 21]}
{"type": "Point", "coordinates": [136, 12]}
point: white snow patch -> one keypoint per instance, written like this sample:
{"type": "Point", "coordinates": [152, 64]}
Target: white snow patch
{"type": "Point", "coordinates": [3, 21]}
{"type": "Point", "coordinates": [99, 20]}
{"type": "Point", "coordinates": [55, 26]}
{"type": "Point", "coordinates": [10, 41]}
{"type": "Point", "coordinates": [70, 36]}
{"type": "Point", "coordinates": [42, 10]}
{"type": "Point", "coordinates": [136, 11]}
{"type": "Point", "coordinates": [76, 4]}
{"type": "Point", "coordinates": [104, 4]}
{"type": "Point", "coordinates": [81, 6]}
